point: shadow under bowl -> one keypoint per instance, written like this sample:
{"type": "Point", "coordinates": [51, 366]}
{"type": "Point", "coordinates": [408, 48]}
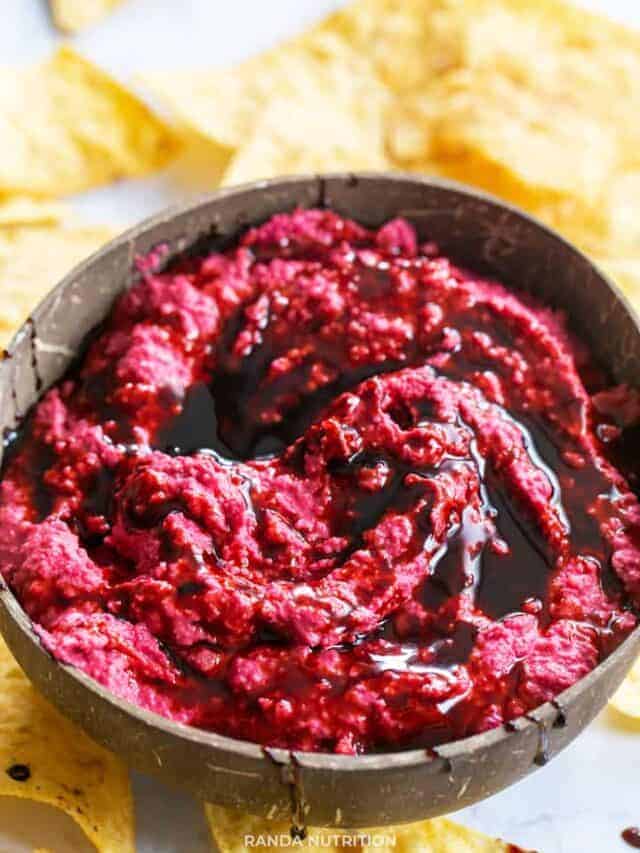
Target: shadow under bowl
{"type": "Point", "coordinates": [334, 790]}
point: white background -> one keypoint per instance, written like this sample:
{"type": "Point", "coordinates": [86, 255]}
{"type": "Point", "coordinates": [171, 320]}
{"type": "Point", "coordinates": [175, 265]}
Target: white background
{"type": "Point", "coordinates": [578, 804]}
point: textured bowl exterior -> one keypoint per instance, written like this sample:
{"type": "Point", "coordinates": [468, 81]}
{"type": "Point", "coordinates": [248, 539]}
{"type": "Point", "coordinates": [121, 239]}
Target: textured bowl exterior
{"type": "Point", "coordinates": [331, 790]}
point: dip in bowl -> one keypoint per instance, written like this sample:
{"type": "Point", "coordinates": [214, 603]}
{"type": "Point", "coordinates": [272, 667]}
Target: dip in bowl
{"type": "Point", "coordinates": [339, 487]}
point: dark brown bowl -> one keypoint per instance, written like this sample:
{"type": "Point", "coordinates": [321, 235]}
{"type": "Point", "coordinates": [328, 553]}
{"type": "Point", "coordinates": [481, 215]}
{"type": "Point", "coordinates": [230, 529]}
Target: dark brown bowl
{"type": "Point", "coordinates": [332, 789]}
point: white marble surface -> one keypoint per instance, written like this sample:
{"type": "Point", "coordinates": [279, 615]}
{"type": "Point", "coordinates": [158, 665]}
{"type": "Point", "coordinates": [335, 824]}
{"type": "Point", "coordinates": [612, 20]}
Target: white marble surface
{"type": "Point", "coordinates": [583, 799]}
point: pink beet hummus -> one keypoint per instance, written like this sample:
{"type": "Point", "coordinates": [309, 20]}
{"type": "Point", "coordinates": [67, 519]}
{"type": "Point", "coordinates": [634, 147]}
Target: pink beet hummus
{"type": "Point", "coordinates": [325, 490]}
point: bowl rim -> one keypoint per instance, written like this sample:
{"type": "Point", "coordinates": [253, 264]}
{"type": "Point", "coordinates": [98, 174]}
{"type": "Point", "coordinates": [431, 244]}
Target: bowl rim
{"type": "Point", "coordinates": [406, 758]}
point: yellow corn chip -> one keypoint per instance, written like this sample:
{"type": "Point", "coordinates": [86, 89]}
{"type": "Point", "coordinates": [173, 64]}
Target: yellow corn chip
{"type": "Point", "coordinates": [225, 106]}
{"type": "Point", "coordinates": [33, 260]}
{"type": "Point", "coordinates": [80, 129]}
{"type": "Point", "coordinates": [74, 15]}
{"type": "Point", "coordinates": [627, 698]}
{"type": "Point", "coordinates": [289, 139]}
{"type": "Point", "coordinates": [441, 836]}
{"type": "Point", "coordinates": [513, 96]}
{"type": "Point", "coordinates": [44, 757]}
{"type": "Point", "coordinates": [407, 43]}
{"type": "Point", "coordinates": [22, 210]}
{"type": "Point", "coordinates": [491, 131]}
{"type": "Point", "coordinates": [235, 832]}
{"type": "Point", "coordinates": [540, 132]}
{"type": "Point", "coordinates": [200, 166]}
{"type": "Point", "coordinates": [621, 213]}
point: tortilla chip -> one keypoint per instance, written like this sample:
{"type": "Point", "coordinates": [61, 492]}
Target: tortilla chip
{"type": "Point", "coordinates": [81, 129]}
{"type": "Point", "coordinates": [442, 836]}
{"type": "Point", "coordinates": [491, 131]}
{"type": "Point", "coordinates": [542, 134]}
{"type": "Point", "coordinates": [46, 758]}
{"type": "Point", "coordinates": [71, 16]}
{"type": "Point", "coordinates": [289, 140]}
{"type": "Point", "coordinates": [226, 106]}
{"type": "Point", "coordinates": [622, 213]}
{"type": "Point", "coordinates": [546, 135]}
{"type": "Point", "coordinates": [199, 167]}
{"type": "Point", "coordinates": [230, 827]}
{"type": "Point", "coordinates": [627, 698]}
{"type": "Point", "coordinates": [406, 44]}
{"type": "Point", "coordinates": [22, 210]}
{"type": "Point", "coordinates": [33, 260]}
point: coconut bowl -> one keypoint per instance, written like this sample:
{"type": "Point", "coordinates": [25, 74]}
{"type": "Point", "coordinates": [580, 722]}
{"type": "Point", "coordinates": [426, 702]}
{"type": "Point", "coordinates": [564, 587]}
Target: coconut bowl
{"type": "Point", "coordinates": [329, 790]}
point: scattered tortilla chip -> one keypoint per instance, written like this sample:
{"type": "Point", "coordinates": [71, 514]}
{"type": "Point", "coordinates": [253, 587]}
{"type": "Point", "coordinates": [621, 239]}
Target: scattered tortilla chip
{"type": "Point", "coordinates": [546, 135]}
{"type": "Point", "coordinates": [496, 119]}
{"type": "Point", "coordinates": [22, 210]}
{"type": "Point", "coordinates": [223, 104]}
{"type": "Point", "coordinates": [441, 835]}
{"type": "Point", "coordinates": [324, 82]}
{"type": "Point", "coordinates": [230, 827]}
{"type": "Point", "coordinates": [289, 140]}
{"type": "Point", "coordinates": [81, 129]}
{"type": "Point", "coordinates": [621, 213]}
{"type": "Point", "coordinates": [627, 698]}
{"type": "Point", "coordinates": [491, 131]}
{"type": "Point", "coordinates": [200, 166]}
{"type": "Point", "coordinates": [33, 260]}
{"type": "Point", "coordinates": [71, 16]}
{"type": "Point", "coordinates": [44, 757]}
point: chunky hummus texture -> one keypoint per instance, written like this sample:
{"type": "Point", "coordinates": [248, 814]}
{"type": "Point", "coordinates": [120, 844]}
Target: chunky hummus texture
{"type": "Point", "coordinates": [325, 490]}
